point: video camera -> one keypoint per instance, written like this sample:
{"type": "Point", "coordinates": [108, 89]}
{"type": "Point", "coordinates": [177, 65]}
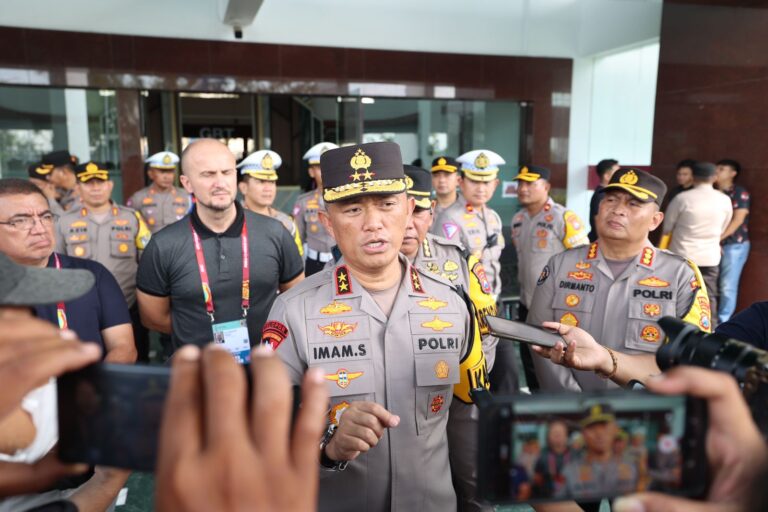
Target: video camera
{"type": "Point", "coordinates": [687, 345]}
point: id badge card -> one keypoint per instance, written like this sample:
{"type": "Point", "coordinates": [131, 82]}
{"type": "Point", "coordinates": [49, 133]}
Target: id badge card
{"type": "Point", "coordinates": [233, 336]}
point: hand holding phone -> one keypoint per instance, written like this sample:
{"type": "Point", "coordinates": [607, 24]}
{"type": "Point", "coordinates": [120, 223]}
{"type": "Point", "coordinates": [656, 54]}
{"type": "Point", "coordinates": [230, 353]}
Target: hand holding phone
{"type": "Point", "coordinates": [577, 350]}
{"type": "Point", "coordinates": [217, 454]}
{"type": "Point", "coordinates": [522, 332]}
{"type": "Point", "coordinates": [735, 450]}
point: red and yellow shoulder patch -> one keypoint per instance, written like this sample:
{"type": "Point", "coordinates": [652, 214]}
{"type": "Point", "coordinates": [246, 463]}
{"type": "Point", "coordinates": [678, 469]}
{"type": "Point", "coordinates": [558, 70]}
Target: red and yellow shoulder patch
{"type": "Point", "coordinates": [592, 253]}
{"type": "Point", "coordinates": [273, 333]}
{"type": "Point", "coordinates": [343, 284]}
{"type": "Point", "coordinates": [416, 281]}
{"type": "Point", "coordinates": [648, 256]}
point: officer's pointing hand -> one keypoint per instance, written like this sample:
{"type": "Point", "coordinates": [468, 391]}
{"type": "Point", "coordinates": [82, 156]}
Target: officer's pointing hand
{"type": "Point", "coordinates": [581, 353]}
{"type": "Point", "coordinates": [360, 428]}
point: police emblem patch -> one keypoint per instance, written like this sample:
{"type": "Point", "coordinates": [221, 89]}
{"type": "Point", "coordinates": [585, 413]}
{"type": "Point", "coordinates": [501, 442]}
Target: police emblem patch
{"type": "Point", "coordinates": [79, 251]}
{"type": "Point", "coordinates": [542, 244]}
{"type": "Point", "coordinates": [343, 378]}
{"type": "Point", "coordinates": [436, 324]}
{"type": "Point", "coordinates": [335, 308]}
{"type": "Point", "coordinates": [572, 300]}
{"type": "Point", "coordinates": [479, 271]}
{"type": "Point", "coordinates": [442, 369]}
{"type": "Point", "coordinates": [436, 404]}
{"type": "Point", "coordinates": [450, 229]}
{"type": "Point", "coordinates": [569, 319]}
{"type": "Point", "coordinates": [580, 276]}
{"type": "Point", "coordinates": [450, 266]}
{"type": "Point", "coordinates": [650, 333]}
{"type": "Point", "coordinates": [548, 218]}
{"type": "Point", "coordinates": [337, 329]}
{"type": "Point", "coordinates": [122, 248]}
{"type": "Point", "coordinates": [651, 310]}
{"type": "Point", "coordinates": [432, 303]}
{"type": "Point", "coordinates": [583, 265]}
{"type": "Point", "coordinates": [273, 333]}
{"type": "Point", "coordinates": [543, 276]}
{"type": "Point", "coordinates": [653, 282]}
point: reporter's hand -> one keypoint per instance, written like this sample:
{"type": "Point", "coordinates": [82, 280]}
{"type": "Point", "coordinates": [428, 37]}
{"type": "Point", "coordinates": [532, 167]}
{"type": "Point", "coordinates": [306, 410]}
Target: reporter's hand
{"type": "Point", "coordinates": [19, 478]}
{"type": "Point", "coordinates": [581, 353]}
{"type": "Point", "coordinates": [360, 428]}
{"type": "Point", "coordinates": [31, 352]}
{"type": "Point", "coordinates": [735, 448]}
{"type": "Point", "coordinates": [217, 452]}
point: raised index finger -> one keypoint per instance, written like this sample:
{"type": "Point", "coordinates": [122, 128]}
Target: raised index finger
{"type": "Point", "coordinates": [386, 418]}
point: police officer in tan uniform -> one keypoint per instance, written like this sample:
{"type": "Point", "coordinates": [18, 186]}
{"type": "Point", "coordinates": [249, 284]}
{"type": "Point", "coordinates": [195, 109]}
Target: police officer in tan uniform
{"type": "Point", "coordinates": [38, 174]}
{"type": "Point", "coordinates": [445, 182]}
{"type": "Point", "coordinates": [599, 471]}
{"type": "Point", "coordinates": [316, 240]}
{"type": "Point", "coordinates": [616, 289]}
{"type": "Point", "coordinates": [469, 220]}
{"type": "Point", "coordinates": [540, 229]}
{"type": "Point", "coordinates": [111, 234]}
{"type": "Point", "coordinates": [61, 166]}
{"type": "Point", "coordinates": [396, 345]}
{"type": "Point", "coordinates": [258, 186]}
{"type": "Point", "coordinates": [162, 202]}
{"type": "Point", "coordinates": [449, 260]}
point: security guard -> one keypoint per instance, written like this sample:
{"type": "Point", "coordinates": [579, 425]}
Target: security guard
{"type": "Point", "coordinates": [39, 176]}
{"type": "Point", "coordinates": [469, 220]}
{"type": "Point", "coordinates": [258, 186]}
{"type": "Point", "coordinates": [61, 165]}
{"type": "Point", "coordinates": [445, 181]}
{"type": "Point", "coordinates": [395, 345]}
{"type": "Point", "coordinates": [106, 232]}
{"type": "Point", "coordinates": [619, 286]}
{"type": "Point", "coordinates": [162, 202]}
{"type": "Point", "coordinates": [449, 260]}
{"type": "Point", "coordinates": [316, 240]}
{"type": "Point", "coordinates": [599, 471]}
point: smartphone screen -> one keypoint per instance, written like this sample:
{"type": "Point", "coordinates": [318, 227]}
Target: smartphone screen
{"type": "Point", "coordinates": [590, 446]}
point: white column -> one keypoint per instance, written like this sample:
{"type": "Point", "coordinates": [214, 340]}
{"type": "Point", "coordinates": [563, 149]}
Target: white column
{"type": "Point", "coordinates": [577, 194]}
{"type": "Point", "coordinates": [76, 108]}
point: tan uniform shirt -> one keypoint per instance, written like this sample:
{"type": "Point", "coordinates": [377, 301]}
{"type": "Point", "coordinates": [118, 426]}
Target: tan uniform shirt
{"type": "Point", "coordinates": [477, 230]}
{"type": "Point", "coordinates": [452, 262]}
{"type": "Point", "coordinates": [407, 362]}
{"type": "Point", "coordinates": [696, 219]}
{"type": "Point", "coordinates": [536, 239]}
{"type": "Point", "coordinates": [578, 288]}
{"type": "Point", "coordinates": [160, 208]}
{"type": "Point", "coordinates": [311, 231]}
{"type": "Point", "coordinates": [116, 242]}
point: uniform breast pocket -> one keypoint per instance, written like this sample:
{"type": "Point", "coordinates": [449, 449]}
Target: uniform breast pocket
{"type": "Point", "coordinates": [347, 382]}
{"type": "Point", "coordinates": [121, 245]}
{"type": "Point", "coordinates": [80, 249]}
{"type": "Point", "coordinates": [435, 376]}
{"type": "Point", "coordinates": [573, 306]}
{"type": "Point", "coordinates": [542, 241]}
{"type": "Point", "coordinates": [643, 333]}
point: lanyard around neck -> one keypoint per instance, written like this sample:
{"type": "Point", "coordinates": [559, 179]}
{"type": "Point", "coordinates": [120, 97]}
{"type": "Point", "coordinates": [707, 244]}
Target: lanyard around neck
{"type": "Point", "coordinates": [207, 295]}
{"type": "Point", "coordinates": [61, 310]}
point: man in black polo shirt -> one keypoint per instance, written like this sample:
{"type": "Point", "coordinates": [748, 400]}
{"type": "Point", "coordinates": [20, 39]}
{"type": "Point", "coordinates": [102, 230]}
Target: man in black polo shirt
{"type": "Point", "coordinates": [213, 275]}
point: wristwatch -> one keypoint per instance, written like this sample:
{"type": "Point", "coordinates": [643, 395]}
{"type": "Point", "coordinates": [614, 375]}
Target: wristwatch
{"type": "Point", "coordinates": [325, 461]}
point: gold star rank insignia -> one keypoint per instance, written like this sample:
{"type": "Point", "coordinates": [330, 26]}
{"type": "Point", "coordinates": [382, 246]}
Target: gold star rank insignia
{"type": "Point", "coordinates": [343, 285]}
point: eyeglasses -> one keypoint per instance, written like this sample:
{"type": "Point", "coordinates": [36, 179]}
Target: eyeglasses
{"type": "Point", "coordinates": [27, 222]}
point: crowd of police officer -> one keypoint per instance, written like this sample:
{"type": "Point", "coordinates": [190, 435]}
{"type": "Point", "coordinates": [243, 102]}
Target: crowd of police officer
{"type": "Point", "coordinates": [392, 314]}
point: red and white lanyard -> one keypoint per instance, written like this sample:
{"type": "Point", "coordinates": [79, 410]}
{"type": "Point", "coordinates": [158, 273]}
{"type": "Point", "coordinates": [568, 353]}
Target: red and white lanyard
{"type": "Point", "coordinates": [61, 310]}
{"type": "Point", "coordinates": [207, 295]}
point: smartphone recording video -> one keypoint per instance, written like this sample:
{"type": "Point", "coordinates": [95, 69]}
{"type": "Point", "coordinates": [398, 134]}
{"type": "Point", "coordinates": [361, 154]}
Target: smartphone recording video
{"type": "Point", "coordinates": [590, 446]}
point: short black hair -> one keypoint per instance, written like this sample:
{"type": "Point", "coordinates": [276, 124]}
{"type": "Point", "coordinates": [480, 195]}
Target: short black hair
{"type": "Point", "coordinates": [16, 186]}
{"type": "Point", "coordinates": [604, 166]}
{"type": "Point", "coordinates": [733, 164]}
{"type": "Point", "coordinates": [688, 162]}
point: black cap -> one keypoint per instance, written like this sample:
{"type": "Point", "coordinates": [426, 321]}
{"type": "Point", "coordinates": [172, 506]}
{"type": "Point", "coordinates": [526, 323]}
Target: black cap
{"type": "Point", "coordinates": [532, 173]}
{"type": "Point", "coordinates": [91, 170]}
{"type": "Point", "coordinates": [598, 413]}
{"type": "Point", "coordinates": [59, 158]}
{"type": "Point", "coordinates": [445, 164]}
{"type": "Point", "coordinates": [29, 286]}
{"type": "Point", "coordinates": [39, 171]}
{"type": "Point", "coordinates": [703, 169]}
{"type": "Point", "coordinates": [419, 183]}
{"type": "Point", "coordinates": [361, 170]}
{"type": "Point", "coordinates": [644, 186]}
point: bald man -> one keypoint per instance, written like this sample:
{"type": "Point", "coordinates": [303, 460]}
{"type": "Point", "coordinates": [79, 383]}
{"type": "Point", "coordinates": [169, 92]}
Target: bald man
{"type": "Point", "coordinates": [213, 275]}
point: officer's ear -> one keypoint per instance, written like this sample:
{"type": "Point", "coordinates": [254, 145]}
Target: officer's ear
{"type": "Point", "coordinates": [657, 219]}
{"type": "Point", "coordinates": [326, 222]}
{"type": "Point", "coordinates": [411, 204]}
